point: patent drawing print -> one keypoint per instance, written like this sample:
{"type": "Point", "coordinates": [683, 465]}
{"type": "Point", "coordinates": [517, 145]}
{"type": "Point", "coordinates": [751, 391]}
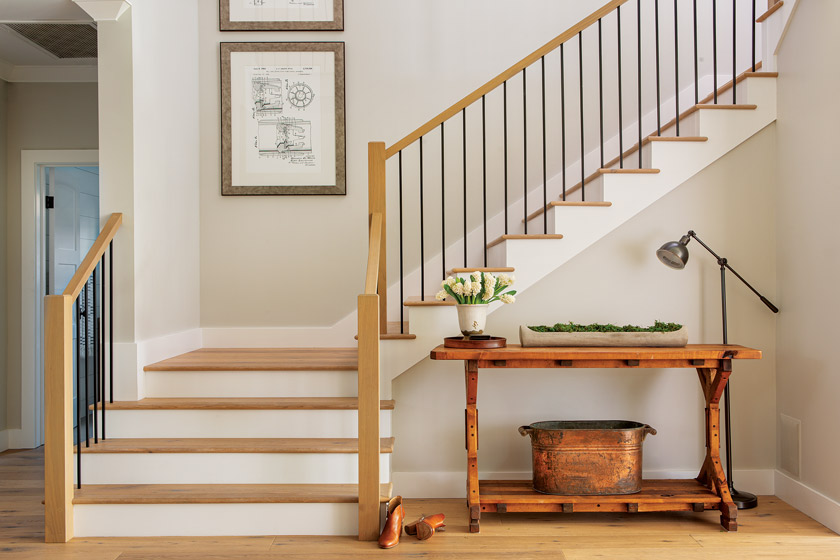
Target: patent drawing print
{"type": "Point", "coordinates": [282, 118]}
{"type": "Point", "coordinates": [281, 15]}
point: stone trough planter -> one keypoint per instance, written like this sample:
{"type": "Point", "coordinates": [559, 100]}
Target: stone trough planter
{"type": "Point", "coordinates": [677, 338]}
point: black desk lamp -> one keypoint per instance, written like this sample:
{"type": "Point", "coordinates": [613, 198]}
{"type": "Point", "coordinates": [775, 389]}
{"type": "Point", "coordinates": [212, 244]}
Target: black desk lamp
{"type": "Point", "coordinates": [675, 255]}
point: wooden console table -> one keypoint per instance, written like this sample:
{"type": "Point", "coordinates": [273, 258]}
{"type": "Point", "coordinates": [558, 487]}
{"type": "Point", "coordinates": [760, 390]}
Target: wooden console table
{"type": "Point", "coordinates": [709, 490]}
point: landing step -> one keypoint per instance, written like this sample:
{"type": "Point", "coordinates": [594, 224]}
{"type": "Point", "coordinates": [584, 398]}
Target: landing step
{"type": "Point", "coordinates": [261, 359]}
{"type": "Point", "coordinates": [521, 236]}
{"type": "Point", "coordinates": [223, 494]}
{"type": "Point", "coordinates": [248, 403]}
{"type": "Point", "coordinates": [233, 445]}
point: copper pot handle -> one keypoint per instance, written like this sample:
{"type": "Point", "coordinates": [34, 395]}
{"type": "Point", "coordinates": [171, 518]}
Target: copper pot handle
{"type": "Point", "coordinates": [649, 430]}
{"type": "Point", "coordinates": [526, 430]}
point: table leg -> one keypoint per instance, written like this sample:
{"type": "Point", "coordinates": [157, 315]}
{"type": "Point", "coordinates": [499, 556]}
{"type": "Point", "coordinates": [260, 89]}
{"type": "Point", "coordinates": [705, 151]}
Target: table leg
{"type": "Point", "coordinates": [471, 430]}
{"type": "Point", "coordinates": [714, 382]}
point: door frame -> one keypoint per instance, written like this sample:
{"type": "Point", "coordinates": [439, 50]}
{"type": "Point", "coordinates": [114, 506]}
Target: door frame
{"type": "Point", "coordinates": [33, 287]}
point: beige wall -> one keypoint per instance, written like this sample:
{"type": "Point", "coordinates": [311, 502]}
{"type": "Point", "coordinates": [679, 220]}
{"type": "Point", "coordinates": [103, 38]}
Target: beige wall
{"type": "Point", "coordinates": [808, 273]}
{"type": "Point", "coordinates": [404, 64]}
{"type": "Point", "coordinates": [42, 116]}
{"type": "Point", "coordinates": [619, 280]}
{"type": "Point", "coordinates": [3, 196]}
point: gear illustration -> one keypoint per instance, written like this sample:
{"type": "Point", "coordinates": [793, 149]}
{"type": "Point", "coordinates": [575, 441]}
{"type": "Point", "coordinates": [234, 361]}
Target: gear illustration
{"type": "Point", "coordinates": [300, 95]}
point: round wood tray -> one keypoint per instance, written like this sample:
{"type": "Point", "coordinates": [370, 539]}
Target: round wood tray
{"type": "Point", "coordinates": [488, 342]}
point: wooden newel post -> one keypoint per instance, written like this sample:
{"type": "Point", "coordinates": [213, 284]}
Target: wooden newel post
{"type": "Point", "coordinates": [58, 449]}
{"type": "Point", "coordinates": [369, 310]}
{"type": "Point", "coordinates": [376, 203]}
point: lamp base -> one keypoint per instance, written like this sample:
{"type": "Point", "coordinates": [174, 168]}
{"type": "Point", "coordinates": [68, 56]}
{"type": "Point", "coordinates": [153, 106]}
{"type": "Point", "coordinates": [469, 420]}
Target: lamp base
{"type": "Point", "coordinates": [744, 500]}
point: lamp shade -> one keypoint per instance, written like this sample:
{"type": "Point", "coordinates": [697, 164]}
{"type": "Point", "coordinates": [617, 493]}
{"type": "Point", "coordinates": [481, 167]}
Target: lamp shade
{"type": "Point", "coordinates": [674, 253]}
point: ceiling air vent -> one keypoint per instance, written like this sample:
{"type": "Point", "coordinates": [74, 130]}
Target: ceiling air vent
{"type": "Point", "coordinates": [64, 40]}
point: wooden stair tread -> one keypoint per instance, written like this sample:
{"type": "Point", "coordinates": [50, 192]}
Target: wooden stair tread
{"type": "Point", "coordinates": [233, 445]}
{"type": "Point", "coordinates": [222, 493]}
{"type": "Point", "coordinates": [393, 332]}
{"type": "Point", "coordinates": [735, 107]}
{"type": "Point", "coordinates": [481, 269]}
{"type": "Point", "coordinates": [261, 359]}
{"type": "Point", "coordinates": [678, 138]}
{"type": "Point", "coordinates": [416, 301]}
{"type": "Point", "coordinates": [245, 403]}
{"type": "Point", "coordinates": [628, 170]}
{"type": "Point", "coordinates": [524, 236]}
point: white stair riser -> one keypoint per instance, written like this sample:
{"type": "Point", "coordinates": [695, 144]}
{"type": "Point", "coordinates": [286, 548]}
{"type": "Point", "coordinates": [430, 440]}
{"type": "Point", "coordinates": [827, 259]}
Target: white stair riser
{"type": "Point", "coordinates": [226, 468]}
{"type": "Point", "coordinates": [575, 218]}
{"type": "Point", "coordinates": [165, 384]}
{"type": "Point", "coordinates": [171, 520]}
{"type": "Point", "coordinates": [238, 423]}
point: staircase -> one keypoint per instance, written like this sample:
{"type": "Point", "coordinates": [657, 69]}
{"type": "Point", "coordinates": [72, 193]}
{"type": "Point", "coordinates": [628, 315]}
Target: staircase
{"type": "Point", "coordinates": [269, 440]}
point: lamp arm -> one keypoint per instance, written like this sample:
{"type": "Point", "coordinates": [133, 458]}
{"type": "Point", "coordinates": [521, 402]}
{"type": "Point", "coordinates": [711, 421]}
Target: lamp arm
{"type": "Point", "coordinates": [723, 262]}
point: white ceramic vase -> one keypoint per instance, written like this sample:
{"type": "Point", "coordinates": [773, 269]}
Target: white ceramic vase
{"type": "Point", "coordinates": [472, 318]}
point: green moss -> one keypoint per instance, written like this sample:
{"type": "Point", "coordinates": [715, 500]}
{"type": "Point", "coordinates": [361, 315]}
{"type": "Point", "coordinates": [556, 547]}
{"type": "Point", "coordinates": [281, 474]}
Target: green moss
{"type": "Point", "coordinates": [570, 327]}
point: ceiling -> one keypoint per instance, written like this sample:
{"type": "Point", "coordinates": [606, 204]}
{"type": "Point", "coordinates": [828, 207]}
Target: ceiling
{"type": "Point", "coordinates": [17, 52]}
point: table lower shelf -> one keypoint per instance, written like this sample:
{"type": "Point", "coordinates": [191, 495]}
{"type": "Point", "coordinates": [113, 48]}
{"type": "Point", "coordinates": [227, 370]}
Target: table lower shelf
{"type": "Point", "coordinates": [657, 495]}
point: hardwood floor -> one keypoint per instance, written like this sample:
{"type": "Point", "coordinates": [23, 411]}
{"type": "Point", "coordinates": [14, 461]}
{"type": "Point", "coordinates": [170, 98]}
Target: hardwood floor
{"type": "Point", "coordinates": [773, 530]}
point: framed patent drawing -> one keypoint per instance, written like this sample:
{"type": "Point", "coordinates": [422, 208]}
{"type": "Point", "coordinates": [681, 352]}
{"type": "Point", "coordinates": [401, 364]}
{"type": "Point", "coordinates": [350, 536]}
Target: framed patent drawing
{"type": "Point", "coordinates": [281, 15]}
{"type": "Point", "coordinates": [283, 118]}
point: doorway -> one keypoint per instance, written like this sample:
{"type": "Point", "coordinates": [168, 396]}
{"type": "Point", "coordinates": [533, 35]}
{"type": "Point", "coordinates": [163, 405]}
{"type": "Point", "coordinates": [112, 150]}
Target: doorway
{"type": "Point", "coordinates": [54, 239]}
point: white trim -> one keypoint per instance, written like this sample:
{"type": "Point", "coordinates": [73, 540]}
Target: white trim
{"type": "Point", "coordinates": [10, 73]}
{"type": "Point", "coordinates": [6, 69]}
{"type": "Point", "coordinates": [104, 10]}
{"type": "Point", "coordinates": [32, 288]}
{"type": "Point", "coordinates": [809, 501]}
{"type": "Point", "coordinates": [451, 484]}
{"type": "Point", "coordinates": [4, 440]}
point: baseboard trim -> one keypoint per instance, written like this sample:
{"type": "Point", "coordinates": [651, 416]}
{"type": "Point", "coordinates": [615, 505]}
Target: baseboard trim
{"type": "Point", "coordinates": [449, 484]}
{"type": "Point", "coordinates": [812, 503]}
{"type": "Point", "coordinates": [4, 440]}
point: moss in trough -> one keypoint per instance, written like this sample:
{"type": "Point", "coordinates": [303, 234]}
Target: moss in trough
{"type": "Point", "coordinates": [570, 327]}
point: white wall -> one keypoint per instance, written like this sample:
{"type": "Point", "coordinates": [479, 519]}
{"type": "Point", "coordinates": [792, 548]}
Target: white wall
{"type": "Point", "coordinates": [808, 275]}
{"type": "Point", "coordinates": [39, 116]}
{"type": "Point", "coordinates": [619, 280]}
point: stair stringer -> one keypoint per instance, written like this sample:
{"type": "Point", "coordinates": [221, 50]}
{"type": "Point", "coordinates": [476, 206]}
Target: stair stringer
{"type": "Point", "coordinates": [534, 259]}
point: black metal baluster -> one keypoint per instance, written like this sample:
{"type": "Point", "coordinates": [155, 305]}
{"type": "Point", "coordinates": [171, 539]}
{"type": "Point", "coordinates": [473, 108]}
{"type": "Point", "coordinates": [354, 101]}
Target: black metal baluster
{"type": "Point", "coordinates": [102, 353]}
{"type": "Point", "coordinates": [422, 254]}
{"type": "Point", "coordinates": [753, 35]}
{"type": "Point", "coordinates": [601, 89]}
{"type": "Point", "coordinates": [582, 149]}
{"type": "Point", "coordinates": [402, 297]}
{"type": "Point", "coordinates": [545, 173]}
{"type": "Point", "coordinates": [504, 102]}
{"type": "Point", "coordinates": [620, 103]}
{"type": "Point", "coordinates": [696, 75]}
{"type": "Point", "coordinates": [78, 393]}
{"type": "Point", "coordinates": [658, 100]}
{"type": "Point", "coordinates": [484, 175]}
{"type": "Point", "coordinates": [111, 321]}
{"type": "Point", "coordinates": [734, 51]}
{"type": "Point", "coordinates": [677, 66]}
{"type": "Point", "coordinates": [563, 114]}
{"type": "Point", "coordinates": [525, 147]}
{"type": "Point", "coordinates": [639, 67]}
{"type": "Point", "coordinates": [85, 362]}
{"type": "Point", "coordinates": [92, 311]}
{"type": "Point", "coordinates": [714, 50]}
{"type": "Point", "coordinates": [464, 141]}
{"type": "Point", "coordinates": [442, 207]}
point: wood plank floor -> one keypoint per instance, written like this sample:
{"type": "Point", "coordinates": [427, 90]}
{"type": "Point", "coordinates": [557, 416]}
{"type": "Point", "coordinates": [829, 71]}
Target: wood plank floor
{"type": "Point", "coordinates": [773, 530]}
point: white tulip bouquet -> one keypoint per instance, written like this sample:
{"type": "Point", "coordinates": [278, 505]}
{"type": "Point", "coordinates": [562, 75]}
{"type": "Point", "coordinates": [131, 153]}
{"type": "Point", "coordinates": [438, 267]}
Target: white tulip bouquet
{"type": "Point", "coordinates": [478, 288]}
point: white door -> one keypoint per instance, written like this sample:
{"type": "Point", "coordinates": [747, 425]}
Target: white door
{"type": "Point", "coordinates": [71, 228]}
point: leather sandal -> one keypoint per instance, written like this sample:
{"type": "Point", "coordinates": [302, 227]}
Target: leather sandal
{"type": "Point", "coordinates": [425, 527]}
{"type": "Point", "coordinates": [394, 515]}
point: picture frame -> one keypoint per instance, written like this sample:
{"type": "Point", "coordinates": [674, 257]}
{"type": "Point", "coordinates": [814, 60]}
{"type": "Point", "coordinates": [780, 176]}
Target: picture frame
{"type": "Point", "coordinates": [283, 125]}
{"type": "Point", "coordinates": [281, 15]}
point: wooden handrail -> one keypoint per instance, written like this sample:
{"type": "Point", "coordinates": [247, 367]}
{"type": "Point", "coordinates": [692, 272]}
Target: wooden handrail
{"type": "Point", "coordinates": [94, 255]}
{"type": "Point", "coordinates": [501, 78]}
{"type": "Point", "coordinates": [374, 249]}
